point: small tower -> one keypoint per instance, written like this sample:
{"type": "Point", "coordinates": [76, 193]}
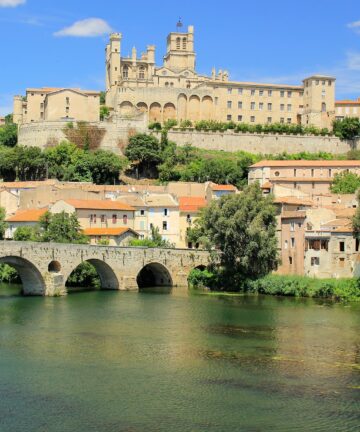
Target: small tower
{"type": "Point", "coordinates": [113, 52]}
{"type": "Point", "coordinates": [180, 50]}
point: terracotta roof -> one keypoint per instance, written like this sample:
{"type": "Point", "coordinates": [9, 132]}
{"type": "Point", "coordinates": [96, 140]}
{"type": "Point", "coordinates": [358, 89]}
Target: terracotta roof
{"type": "Point", "coordinates": [30, 215]}
{"type": "Point", "coordinates": [293, 214]}
{"type": "Point", "coordinates": [339, 225]}
{"type": "Point", "coordinates": [26, 184]}
{"type": "Point", "coordinates": [348, 102]}
{"type": "Point", "coordinates": [267, 185]}
{"type": "Point", "coordinates": [344, 213]}
{"type": "Point", "coordinates": [301, 179]}
{"type": "Point", "coordinates": [217, 187]}
{"type": "Point", "coordinates": [99, 204]}
{"type": "Point", "coordinates": [306, 163]}
{"type": "Point", "coordinates": [107, 231]}
{"type": "Point", "coordinates": [293, 201]}
{"type": "Point", "coordinates": [191, 204]}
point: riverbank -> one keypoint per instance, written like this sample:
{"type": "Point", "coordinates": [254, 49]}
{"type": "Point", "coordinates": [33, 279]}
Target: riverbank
{"type": "Point", "coordinates": [344, 290]}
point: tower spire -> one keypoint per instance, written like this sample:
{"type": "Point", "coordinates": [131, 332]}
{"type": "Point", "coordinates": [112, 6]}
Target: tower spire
{"type": "Point", "coordinates": [179, 24]}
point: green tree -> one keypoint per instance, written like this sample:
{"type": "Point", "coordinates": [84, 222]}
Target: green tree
{"type": "Point", "coordinates": [3, 224]}
{"type": "Point", "coordinates": [8, 134]}
{"type": "Point", "coordinates": [347, 128]}
{"type": "Point", "coordinates": [356, 219]}
{"type": "Point", "coordinates": [102, 98]}
{"type": "Point", "coordinates": [27, 233]}
{"type": "Point", "coordinates": [104, 112]}
{"type": "Point", "coordinates": [345, 183]}
{"type": "Point", "coordinates": [243, 229]}
{"type": "Point", "coordinates": [155, 240]}
{"type": "Point", "coordinates": [146, 151]}
{"type": "Point", "coordinates": [61, 228]}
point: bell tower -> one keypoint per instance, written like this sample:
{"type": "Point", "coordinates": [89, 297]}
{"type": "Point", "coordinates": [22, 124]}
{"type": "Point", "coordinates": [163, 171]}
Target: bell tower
{"type": "Point", "coordinates": [180, 53]}
{"type": "Point", "coordinates": [112, 62]}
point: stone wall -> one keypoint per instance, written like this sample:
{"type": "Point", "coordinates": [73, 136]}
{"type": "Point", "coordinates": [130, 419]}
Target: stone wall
{"type": "Point", "coordinates": [260, 143]}
{"type": "Point", "coordinates": [117, 132]}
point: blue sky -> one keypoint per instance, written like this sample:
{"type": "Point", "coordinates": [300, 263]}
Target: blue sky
{"type": "Point", "coordinates": [61, 43]}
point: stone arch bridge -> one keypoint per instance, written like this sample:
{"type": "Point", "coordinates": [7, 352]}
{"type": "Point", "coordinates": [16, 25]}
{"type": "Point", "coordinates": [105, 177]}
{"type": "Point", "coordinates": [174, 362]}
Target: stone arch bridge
{"type": "Point", "coordinates": [45, 267]}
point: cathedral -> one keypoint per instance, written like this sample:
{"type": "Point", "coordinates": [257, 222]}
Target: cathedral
{"type": "Point", "coordinates": [176, 91]}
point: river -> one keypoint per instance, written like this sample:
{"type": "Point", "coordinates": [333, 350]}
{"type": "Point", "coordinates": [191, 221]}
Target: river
{"type": "Point", "coordinates": [168, 362]}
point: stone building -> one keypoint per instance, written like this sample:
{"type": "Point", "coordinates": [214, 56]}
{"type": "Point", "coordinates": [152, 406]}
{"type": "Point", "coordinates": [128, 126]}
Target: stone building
{"type": "Point", "coordinates": [54, 104]}
{"type": "Point", "coordinates": [189, 208]}
{"type": "Point", "coordinates": [347, 108]}
{"type": "Point", "coordinates": [175, 90]}
{"type": "Point", "coordinates": [311, 177]}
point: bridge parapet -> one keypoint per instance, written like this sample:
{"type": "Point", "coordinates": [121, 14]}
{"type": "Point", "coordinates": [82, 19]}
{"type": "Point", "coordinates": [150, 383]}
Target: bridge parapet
{"type": "Point", "coordinates": [45, 267]}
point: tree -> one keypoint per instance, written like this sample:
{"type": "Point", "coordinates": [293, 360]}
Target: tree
{"type": "Point", "coordinates": [27, 233]}
{"type": "Point", "coordinates": [356, 220]}
{"type": "Point", "coordinates": [104, 112]}
{"type": "Point", "coordinates": [61, 228]}
{"type": "Point", "coordinates": [347, 128]}
{"type": "Point", "coordinates": [345, 183]}
{"type": "Point", "coordinates": [8, 134]}
{"type": "Point", "coordinates": [3, 224]}
{"type": "Point", "coordinates": [102, 98]}
{"type": "Point", "coordinates": [243, 228]}
{"type": "Point", "coordinates": [154, 241]}
{"type": "Point", "coordinates": [146, 151]}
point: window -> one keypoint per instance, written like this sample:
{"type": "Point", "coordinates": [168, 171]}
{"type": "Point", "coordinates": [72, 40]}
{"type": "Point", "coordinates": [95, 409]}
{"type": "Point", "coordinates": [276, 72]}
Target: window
{"type": "Point", "coordinates": [313, 185]}
{"type": "Point", "coordinates": [240, 117]}
{"type": "Point", "coordinates": [103, 218]}
{"type": "Point", "coordinates": [184, 44]}
{"type": "Point", "coordinates": [252, 105]}
{"type": "Point", "coordinates": [290, 260]}
{"type": "Point", "coordinates": [357, 244]}
{"type": "Point", "coordinates": [292, 226]}
{"type": "Point", "coordinates": [294, 172]}
{"type": "Point", "coordinates": [125, 219]}
{"type": "Point", "coordinates": [323, 107]}
{"type": "Point", "coordinates": [190, 245]}
{"type": "Point", "coordinates": [151, 226]}
{"type": "Point", "coordinates": [41, 106]}
{"type": "Point", "coordinates": [164, 226]}
{"type": "Point", "coordinates": [269, 119]}
{"type": "Point", "coordinates": [329, 172]}
{"type": "Point", "coordinates": [282, 107]}
{"type": "Point", "coordinates": [178, 41]}
{"type": "Point", "coordinates": [229, 90]}
{"type": "Point", "coordinates": [188, 218]}
{"type": "Point", "coordinates": [282, 93]}
{"type": "Point", "coordinates": [289, 93]}
{"type": "Point", "coordinates": [240, 105]}
{"type": "Point", "coordinates": [261, 92]}
{"type": "Point", "coordinates": [261, 106]}
{"type": "Point", "coordinates": [252, 92]}
{"type": "Point", "coordinates": [115, 68]}
{"type": "Point", "coordinates": [286, 244]}
{"type": "Point", "coordinates": [166, 212]}
{"type": "Point", "coordinates": [142, 212]}
{"type": "Point", "coordinates": [288, 120]}
{"type": "Point", "coordinates": [323, 83]}
{"type": "Point", "coordinates": [329, 83]}
{"type": "Point", "coordinates": [142, 225]}
{"type": "Point", "coordinates": [67, 110]}
{"type": "Point", "coordinates": [342, 246]}
{"type": "Point", "coordinates": [42, 116]}
{"type": "Point", "coordinates": [114, 218]}
{"type": "Point", "coordinates": [341, 262]}
{"type": "Point", "coordinates": [315, 261]}
{"type": "Point", "coordinates": [67, 101]}
{"type": "Point", "coordinates": [269, 92]}
{"type": "Point", "coordinates": [93, 218]}
{"type": "Point", "coordinates": [252, 119]}
{"type": "Point", "coordinates": [289, 107]}
{"type": "Point", "coordinates": [126, 72]}
{"type": "Point", "coordinates": [282, 120]}
{"type": "Point", "coordinates": [142, 72]}
{"type": "Point", "coordinates": [229, 104]}
{"type": "Point", "coordinates": [292, 242]}
{"type": "Point", "coordinates": [312, 172]}
{"type": "Point", "coordinates": [317, 82]}
{"type": "Point", "coordinates": [277, 173]}
{"type": "Point", "coordinates": [229, 117]}
{"type": "Point", "coordinates": [240, 91]}
{"type": "Point", "coordinates": [269, 106]}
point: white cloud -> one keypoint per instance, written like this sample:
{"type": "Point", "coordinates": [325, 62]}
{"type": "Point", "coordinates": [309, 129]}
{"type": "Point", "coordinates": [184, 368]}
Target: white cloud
{"type": "Point", "coordinates": [11, 3]}
{"type": "Point", "coordinates": [353, 60]}
{"type": "Point", "coordinates": [355, 25]}
{"type": "Point", "coordinates": [89, 27]}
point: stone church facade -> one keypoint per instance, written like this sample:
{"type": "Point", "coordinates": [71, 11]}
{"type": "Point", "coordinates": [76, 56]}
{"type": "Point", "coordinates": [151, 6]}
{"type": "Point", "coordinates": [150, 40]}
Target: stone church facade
{"type": "Point", "coordinates": [176, 91]}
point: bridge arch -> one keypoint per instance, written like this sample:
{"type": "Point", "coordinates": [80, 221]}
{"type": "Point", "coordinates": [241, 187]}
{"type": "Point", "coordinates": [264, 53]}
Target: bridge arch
{"type": "Point", "coordinates": [154, 274]}
{"type": "Point", "coordinates": [31, 278]}
{"type": "Point", "coordinates": [108, 278]}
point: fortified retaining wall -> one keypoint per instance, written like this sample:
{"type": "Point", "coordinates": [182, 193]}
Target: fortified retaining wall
{"type": "Point", "coordinates": [117, 131]}
{"type": "Point", "coordinates": [261, 143]}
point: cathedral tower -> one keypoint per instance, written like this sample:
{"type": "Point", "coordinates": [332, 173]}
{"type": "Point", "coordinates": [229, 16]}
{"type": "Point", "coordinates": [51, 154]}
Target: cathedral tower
{"type": "Point", "coordinates": [180, 51]}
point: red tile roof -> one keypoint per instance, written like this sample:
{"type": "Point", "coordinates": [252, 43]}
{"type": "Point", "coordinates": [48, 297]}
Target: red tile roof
{"type": "Point", "coordinates": [30, 215]}
{"type": "Point", "coordinates": [293, 201]}
{"type": "Point", "coordinates": [217, 187]}
{"type": "Point", "coordinates": [191, 204]}
{"type": "Point", "coordinates": [107, 231]}
{"type": "Point", "coordinates": [99, 205]}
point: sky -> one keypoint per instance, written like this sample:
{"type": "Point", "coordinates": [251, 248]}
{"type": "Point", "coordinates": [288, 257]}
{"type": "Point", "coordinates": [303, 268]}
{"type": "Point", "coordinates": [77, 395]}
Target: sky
{"type": "Point", "coordinates": [61, 43]}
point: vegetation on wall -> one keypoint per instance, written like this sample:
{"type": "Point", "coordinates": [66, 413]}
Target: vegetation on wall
{"type": "Point", "coordinates": [345, 183]}
{"type": "Point", "coordinates": [84, 135]}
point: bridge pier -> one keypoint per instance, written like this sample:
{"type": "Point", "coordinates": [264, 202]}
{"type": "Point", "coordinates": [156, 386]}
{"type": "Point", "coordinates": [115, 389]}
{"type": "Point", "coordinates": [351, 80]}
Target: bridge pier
{"type": "Point", "coordinates": [54, 285]}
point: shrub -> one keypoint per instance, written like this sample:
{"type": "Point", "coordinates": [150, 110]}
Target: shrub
{"type": "Point", "coordinates": [155, 126]}
{"type": "Point", "coordinates": [202, 279]}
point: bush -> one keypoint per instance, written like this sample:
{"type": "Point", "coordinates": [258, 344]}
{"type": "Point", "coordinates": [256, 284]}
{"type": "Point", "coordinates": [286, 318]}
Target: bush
{"type": "Point", "coordinates": [85, 275]}
{"type": "Point", "coordinates": [155, 126]}
{"type": "Point", "coordinates": [202, 279]}
{"type": "Point", "coordinates": [9, 274]}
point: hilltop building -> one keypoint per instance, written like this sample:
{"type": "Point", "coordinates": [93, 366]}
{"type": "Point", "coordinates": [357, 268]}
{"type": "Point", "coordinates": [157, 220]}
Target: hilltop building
{"type": "Point", "coordinates": [347, 108]}
{"type": "Point", "coordinates": [175, 90]}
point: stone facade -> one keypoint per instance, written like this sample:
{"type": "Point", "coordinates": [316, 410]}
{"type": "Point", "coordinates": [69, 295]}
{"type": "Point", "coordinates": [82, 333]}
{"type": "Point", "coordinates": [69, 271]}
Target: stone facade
{"type": "Point", "coordinates": [175, 90]}
{"type": "Point", "coordinates": [347, 108]}
{"type": "Point", "coordinates": [45, 267]}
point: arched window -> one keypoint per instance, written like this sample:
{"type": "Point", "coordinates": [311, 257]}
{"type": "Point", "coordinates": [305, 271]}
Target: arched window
{"type": "Point", "coordinates": [172, 84]}
{"type": "Point", "coordinates": [142, 72]}
{"type": "Point", "coordinates": [126, 72]}
{"type": "Point", "coordinates": [184, 44]}
{"type": "Point", "coordinates": [166, 84]}
{"type": "Point", "coordinates": [178, 41]}
{"type": "Point", "coordinates": [323, 107]}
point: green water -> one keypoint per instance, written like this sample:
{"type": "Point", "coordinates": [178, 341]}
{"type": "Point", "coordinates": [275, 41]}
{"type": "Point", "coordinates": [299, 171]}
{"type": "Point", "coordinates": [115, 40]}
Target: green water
{"type": "Point", "coordinates": [130, 362]}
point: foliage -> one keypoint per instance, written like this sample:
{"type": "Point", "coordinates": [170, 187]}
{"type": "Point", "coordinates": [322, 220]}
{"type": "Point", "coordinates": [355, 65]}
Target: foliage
{"type": "Point", "coordinates": [84, 135]}
{"type": "Point", "coordinates": [356, 219]}
{"type": "Point", "coordinates": [243, 228]}
{"type": "Point", "coordinates": [154, 241]}
{"type": "Point", "coordinates": [104, 112]}
{"type": "Point", "coordinates": [8, 134]}
{"type": "Point", "coordinates": [345, 183]}
{"type": "Point", "coordinates": [155, 126]}
{"type": "Point", "coordinates": [146, 151]}
{"type": "Point", "coordinates": [302, 286]}
{"type": "Point", "coordinates": [8, 274]}
{"type": "Point", "coordinates": [185, 124]}
{"type": "Point", "coordinates": [170, 123]}
{"type": "Point", "coordinates": [85, 275]}
{"type": "Point", "coordinates": [27, 233]}
{"type": "Point", "coordinates": [61, 228]}
{"type": "Point", "coordinates": [353, 154]}
{"type": "Point", "coordinates": [202, 279]}
{"type": "Point", "coordinates": [102, 98]}
{"type": "Point", "coordinates": [347, 128]}
{"type": "Point", "coordinates": [3, 224]}
{"type": "Point", "coordinates": [103, 242]}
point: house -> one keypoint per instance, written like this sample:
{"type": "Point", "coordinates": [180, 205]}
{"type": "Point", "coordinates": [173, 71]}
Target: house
{"type": "Point", "coordinates": [216, 191]}
{"type": "Point", "coordinates": [111, 236]}
{"type": "Point", "coordinates": [189, 208]}
{"type": "Point", "coordinates": [21, 218]}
